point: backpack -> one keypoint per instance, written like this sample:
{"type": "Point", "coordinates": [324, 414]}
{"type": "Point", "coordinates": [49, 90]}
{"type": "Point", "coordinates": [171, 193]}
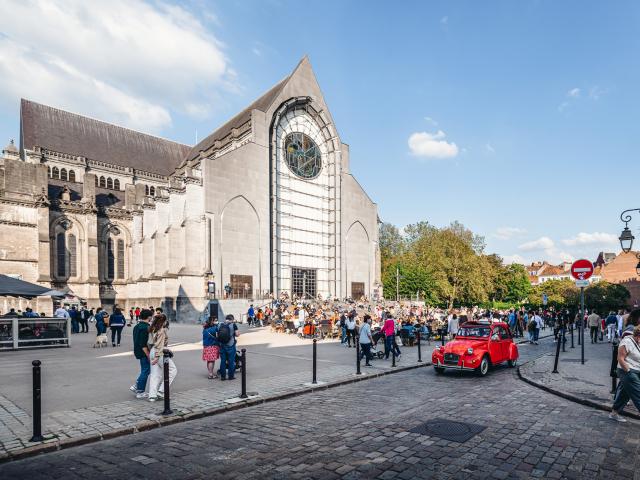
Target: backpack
{"type": "Point", "coordinates": [224, 334]}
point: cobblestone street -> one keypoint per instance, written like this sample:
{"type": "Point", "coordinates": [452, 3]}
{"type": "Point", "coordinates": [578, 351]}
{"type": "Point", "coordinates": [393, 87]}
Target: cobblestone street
{"type": "Point", "coordinates": [362, 430]}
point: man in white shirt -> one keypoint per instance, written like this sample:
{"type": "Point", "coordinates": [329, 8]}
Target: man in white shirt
{"type": "Point", "coordinates": [366, 340]}
{"type": "Point", "coordinates": [539, 322]}
{"type": "Point", "coordinates": [61, 313]}
{"type": "Point", "coordinates": [453, 325]}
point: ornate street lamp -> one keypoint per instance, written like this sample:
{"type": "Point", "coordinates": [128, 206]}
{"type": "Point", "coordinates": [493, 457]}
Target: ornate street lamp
{"type": "Point", "coordinates": [626, 237]}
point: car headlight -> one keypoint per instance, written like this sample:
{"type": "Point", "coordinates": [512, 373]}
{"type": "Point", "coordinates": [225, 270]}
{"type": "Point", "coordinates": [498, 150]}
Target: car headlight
{"type": "Point", "coordinates": [470, 351]}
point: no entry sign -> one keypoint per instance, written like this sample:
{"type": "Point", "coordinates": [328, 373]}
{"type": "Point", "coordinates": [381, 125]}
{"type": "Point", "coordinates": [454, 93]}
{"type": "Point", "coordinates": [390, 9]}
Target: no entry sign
{"type": "Point", "coordinates": [581, 269]}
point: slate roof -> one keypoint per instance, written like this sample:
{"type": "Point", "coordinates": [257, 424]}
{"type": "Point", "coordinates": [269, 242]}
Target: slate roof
{"type": "Point", "coordinates": [262, 104]}
{"type": "Point", "coordinates": [74, 134]}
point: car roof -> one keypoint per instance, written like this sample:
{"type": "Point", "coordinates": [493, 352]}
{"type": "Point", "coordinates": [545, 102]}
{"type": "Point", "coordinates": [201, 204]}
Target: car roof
{"type": "Point", "coordinates": [481, 324]}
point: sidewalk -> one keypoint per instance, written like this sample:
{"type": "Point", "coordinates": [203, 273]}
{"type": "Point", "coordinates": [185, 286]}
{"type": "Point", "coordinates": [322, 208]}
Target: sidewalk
{"type": "Point", "coordinates": [66, 428]}
{"type": "Point", "coordinates": [588, 384]}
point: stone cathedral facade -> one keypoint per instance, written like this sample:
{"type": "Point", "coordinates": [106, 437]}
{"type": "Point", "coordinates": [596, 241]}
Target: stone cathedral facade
{"type": "Point", "coordinates": [264, 205]}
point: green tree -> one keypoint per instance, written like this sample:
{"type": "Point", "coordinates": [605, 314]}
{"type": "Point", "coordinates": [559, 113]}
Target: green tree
{"type": "Point", "coordinates": [604, 297]}
{"type": "Point", "coordinates": [560, 294]}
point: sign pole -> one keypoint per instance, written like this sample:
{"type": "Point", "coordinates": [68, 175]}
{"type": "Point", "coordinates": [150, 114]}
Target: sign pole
{"type": "Point", "coordinates": [582, 324]}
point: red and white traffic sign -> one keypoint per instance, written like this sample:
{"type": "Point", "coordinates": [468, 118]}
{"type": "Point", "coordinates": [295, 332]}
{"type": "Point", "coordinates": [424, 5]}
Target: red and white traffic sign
{"type": "Point", "coordinates": [581, 269]}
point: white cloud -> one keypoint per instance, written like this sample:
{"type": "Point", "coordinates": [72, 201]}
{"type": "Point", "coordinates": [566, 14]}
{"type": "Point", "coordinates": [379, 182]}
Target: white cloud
{"type": "Point", "coordinates": [124, 61]}
{"type": "Point", "coordinates": [592, 239]}
{"type": "Point", "coordinates": [574, 93]}
{"type": "Point", "coordinates": [506, 233]}
{"type": "Point", "coordinates": [509, 259]}
{"type": "Point", "coordinates": [489, 148]}
{"type": "Point", "coordinates": [431, 121]}
{"type": "Point", "coordinates": [542, 243]}
{"type": "Point", "coordinates": [596, 92]}
{"type": "Point", "coordinates": [431, 145]}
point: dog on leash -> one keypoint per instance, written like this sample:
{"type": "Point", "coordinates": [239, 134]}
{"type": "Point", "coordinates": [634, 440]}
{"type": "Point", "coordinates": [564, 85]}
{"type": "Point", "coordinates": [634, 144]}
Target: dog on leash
{"type": "Point", "coordinates": [101, 341]}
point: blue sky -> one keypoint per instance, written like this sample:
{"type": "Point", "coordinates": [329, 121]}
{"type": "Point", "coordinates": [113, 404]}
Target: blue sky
{"type": "Point", "coordinates": [518, 119]}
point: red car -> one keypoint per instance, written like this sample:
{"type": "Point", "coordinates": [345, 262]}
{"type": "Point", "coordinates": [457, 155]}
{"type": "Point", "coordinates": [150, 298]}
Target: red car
{"type": "Point", "coordinates": [477, 347]}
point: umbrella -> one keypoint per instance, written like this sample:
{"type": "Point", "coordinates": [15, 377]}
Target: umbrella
{"type": "Point", "coordinates": [12, 287]}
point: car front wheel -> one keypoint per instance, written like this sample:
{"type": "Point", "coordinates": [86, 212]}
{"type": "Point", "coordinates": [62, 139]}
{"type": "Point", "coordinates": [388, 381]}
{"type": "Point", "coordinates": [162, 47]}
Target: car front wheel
{"type": "Point", "coordinates": [483, 369]}
{"type": "Point", "coordinates": [512, 363]}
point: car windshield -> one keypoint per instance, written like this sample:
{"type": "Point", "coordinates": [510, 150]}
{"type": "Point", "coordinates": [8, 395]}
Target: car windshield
{"type": "Point", "coordinates": [474, 331]}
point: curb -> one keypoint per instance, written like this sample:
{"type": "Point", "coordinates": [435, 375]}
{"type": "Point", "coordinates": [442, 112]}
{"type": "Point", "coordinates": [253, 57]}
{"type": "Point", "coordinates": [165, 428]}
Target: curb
{"type": "Point", "coordinates": [165, 421]}
{"type": "Point", "coordinates": [573, 398]}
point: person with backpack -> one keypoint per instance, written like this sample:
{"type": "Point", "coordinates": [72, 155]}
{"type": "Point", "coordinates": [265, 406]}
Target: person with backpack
{"type": "Point", "coordinates": [227, 334]}
{"type": "Point", "coordinates": [629, 374]}
{"type": "Point", "coordinates": [210, 345]}
{"type": "Point", "coordinates": [102, 318]}
{"type": "Point", "coordinates": [141, 352]}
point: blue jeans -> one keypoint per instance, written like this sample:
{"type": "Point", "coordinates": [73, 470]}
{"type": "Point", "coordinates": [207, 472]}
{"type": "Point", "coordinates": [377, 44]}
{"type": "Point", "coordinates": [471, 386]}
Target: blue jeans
{"type": "Point", "coordinates": [536, 334]}
{"type": "Point", "coordinates": [101, 327]}
{"type": "Point", "coordinates": [145, 370]}
{"type": "Point", "coordinates": [628, 389]}
{"type": "Point", "coordinates": [389, 343]}
{"type": "Point", "coordinates": [75, 326]}
{"type": "Point", "coordinates": [343, 335]}
{"type": "Point", "coordinates": [227, 355]}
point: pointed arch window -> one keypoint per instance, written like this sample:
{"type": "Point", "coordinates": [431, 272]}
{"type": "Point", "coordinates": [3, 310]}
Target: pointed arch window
{"type": "Point", "coordinates": [146, 190]}
{"type": "Point", "coordinates": [49, 171]}
{"type": "Point", "coordinates": [152, 191]}
{"type": "Point", "coordinates": [110, 183]}
{"type": "Point", "coordinates": [120, 258]}
{"type": "Point", "coordinates": [111, 258]}
{"type": "Point", "coordinates": [71, 246]}
{"type": "Point", "coordinates": [72, 175]}
{"type": "Point", "coordinates": [103, 183]}
{"type": "Point", "coordinates": [55, 173]}
{"type": "Point", "coordinates": [116, 184]}
{"type": "Point", "coordinates": [61, 255]}
{"type": "Point", "coordinates": [96, 178]}
{"type": "Point", "coordinates": [63, 174]}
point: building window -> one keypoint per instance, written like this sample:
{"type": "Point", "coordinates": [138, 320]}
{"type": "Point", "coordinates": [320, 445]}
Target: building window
{"type": "Point", "coordinates": [63, 174]}
{"type": "Point", "coordinates": [111, 259]}
{"type": "Point", "coordinates": [146, 190]}
{"type": "Point", "coordinates": [303, 282]}
{"type": "Point", "coordinates": [49, 171]}
{"type": "Point", "coordinates": [152, 191]}
{"type": "Point", "coordinates": [73, 268]}
{"type": "Point", "coordinates": [110, 183]}
{"type": "Point", "coordinates": [55, 173]}
{"type": "Point", "coordinates": [96, 178]}
{"type": "Point", "coordinates": [120, 259]}
{"type": "Point", "coordinates": [61, 254]}
{"type": "Point", "coordinates": [116, 184]}
{"type": "Point", "coordinates": [241, 286]}
{"type": "Point", "coordinates": [103, 183]}
{"type": "Point", "coordinates": [72, 175]}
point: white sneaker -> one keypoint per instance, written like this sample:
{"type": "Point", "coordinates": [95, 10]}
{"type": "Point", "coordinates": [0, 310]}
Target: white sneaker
{"type": "Point", "coordinates": [152, 399]}
{"type": "Point", "coordinates": [133, 388]}
{"type": "Point", "coordinates": [617, 417]}
{"type": "Point", "coordinates": [142, 395]}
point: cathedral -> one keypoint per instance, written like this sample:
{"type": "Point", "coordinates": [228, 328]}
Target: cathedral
{"type": "Point", "coordinates": [265, 205]}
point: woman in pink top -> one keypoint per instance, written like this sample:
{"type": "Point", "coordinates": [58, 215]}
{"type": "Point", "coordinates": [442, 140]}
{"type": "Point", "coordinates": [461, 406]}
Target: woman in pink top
{"type": "Point", "coordinates": [389, 330]}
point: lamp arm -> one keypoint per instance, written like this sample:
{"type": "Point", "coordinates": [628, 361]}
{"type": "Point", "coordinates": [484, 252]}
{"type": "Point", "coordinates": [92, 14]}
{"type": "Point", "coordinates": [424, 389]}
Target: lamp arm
{"type": "Point", "coordinates": [626, 217]}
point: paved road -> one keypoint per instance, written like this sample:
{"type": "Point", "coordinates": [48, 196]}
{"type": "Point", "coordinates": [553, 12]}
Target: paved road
{"type": "Point", "coordinates": [363, 431]}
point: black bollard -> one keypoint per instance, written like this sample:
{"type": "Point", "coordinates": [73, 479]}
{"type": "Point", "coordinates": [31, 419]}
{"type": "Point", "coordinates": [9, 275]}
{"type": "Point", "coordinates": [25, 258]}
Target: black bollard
{"type": "Point", "coordinates": [167, 397]}
{"type": "Point", "coordinates": [358, 372]}
{"type": "Point", "coordinates": [442, 336]}
{"type": "Point", "coordinates": [315, 349]}
{"type": "Point", "coordinates": [393, 351]}
{"type": "Point", "coordinates": [419, 349]}
{"type": "Point", "coordinates": [555, 363]}
{"type": "Point", "coordinates": [243, 355]}
{"type": "Point", "coordinates": [37, 403]}
{"type": "Point", "coordinates": [579, 340]}
{"type": "Point", "coordinates": [614, 366]}
{"type": "Point", "coordinates": [571, 327]}
{"type": "Point", "coordinates": [564, 340]}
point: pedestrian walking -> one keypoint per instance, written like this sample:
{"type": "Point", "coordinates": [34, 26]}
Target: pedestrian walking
{"type": "Point", "coordinates": [141, 352]}
{"type": "Point", "coordinates": [453, 324]}
{"type": "Point", "coordinates": [628, 373]}
{"type": "Point", "coordinates": [210, 346]}
{"type": "Point", "coordinates": [227, 335]}
{"type": "Point", "coordinates": [85, 314]}
{"type": "Point", "coordinates": [158, 331]}
{"type": "Point", "coordinates": [594, 322]}
{"type": "Point", "coordinates": [611, 324]}
{"type": "Point", "coordinates": [102, 319]}
{"type": "Point", "coordinates": [136, 312]}
{"type": "Point", "coordinates": [389, 330]}
{"type": "Point", "coordinates": [116, 324]}
{"type": "Point", "coordinates": [350, 324]}
{"type": "Point", "coordinates": [366, 340]}
{"type": "Point", "coordinates": [251, 316]}
{"type": "Point", "coordinates": [131, 316]}
{"type": "Point", "coordinates": [75, 319]}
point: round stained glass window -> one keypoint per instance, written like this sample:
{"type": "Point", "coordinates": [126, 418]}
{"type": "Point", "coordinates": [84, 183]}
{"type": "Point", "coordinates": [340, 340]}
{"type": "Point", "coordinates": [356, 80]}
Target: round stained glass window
{"type": "Point", "coordinates": [302, 155]}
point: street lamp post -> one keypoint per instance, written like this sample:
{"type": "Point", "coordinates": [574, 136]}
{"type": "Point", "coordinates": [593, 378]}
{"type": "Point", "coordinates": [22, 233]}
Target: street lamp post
{"type": "Point", "coordinates": [626, 237]}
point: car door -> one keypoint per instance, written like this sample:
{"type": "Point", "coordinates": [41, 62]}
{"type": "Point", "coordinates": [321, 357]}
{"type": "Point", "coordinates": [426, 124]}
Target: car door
{"type": "Point", "coordinates": [505, 343]}
{"type": "Point", "coordinates": [495, 346]}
